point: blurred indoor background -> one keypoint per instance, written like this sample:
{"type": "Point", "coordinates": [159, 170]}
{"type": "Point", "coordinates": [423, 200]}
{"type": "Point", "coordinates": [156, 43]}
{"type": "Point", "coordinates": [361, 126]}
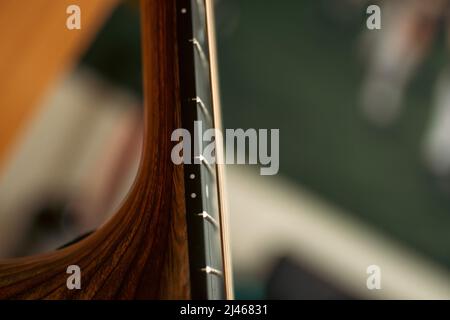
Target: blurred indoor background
{"type": "Point", "coordinates": [364, 119]}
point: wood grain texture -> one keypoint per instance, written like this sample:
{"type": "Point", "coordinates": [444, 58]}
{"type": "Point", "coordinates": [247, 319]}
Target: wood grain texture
{"type": "Point", "coordinates": [141, 253]}
{"type": "Point", "coordinates": [36, 49]}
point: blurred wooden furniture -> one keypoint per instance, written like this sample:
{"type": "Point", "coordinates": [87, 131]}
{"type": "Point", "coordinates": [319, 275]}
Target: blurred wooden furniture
{"type": "Point", "coordinates": [36, 49]}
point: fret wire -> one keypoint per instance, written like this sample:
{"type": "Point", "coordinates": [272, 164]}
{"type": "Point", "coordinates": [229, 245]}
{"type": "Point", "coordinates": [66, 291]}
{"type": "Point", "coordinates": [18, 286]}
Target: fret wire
{"type": "Point", "coordinates": [201, 52]}
{"type": "Point", "coordinates": [209, 218]}
{"type": "Point", "coordinates": [210, 270]}
{"type": "Point", "coordinates": [206, 164]}
{"type": "Point", "coordinates": [203, 107]}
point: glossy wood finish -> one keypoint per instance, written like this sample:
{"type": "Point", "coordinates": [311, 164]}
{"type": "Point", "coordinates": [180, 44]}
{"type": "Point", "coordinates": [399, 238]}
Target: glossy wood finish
{"type": "Point", "coordinates": [141, 252]}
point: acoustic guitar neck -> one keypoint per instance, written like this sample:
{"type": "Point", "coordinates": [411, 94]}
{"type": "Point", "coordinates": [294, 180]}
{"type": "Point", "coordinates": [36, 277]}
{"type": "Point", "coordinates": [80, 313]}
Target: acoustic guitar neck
{"type": "Point", "coordinates": [204, 182]}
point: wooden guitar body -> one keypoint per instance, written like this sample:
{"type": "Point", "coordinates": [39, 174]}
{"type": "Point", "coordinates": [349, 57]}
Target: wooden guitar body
{"type": "Point", "coordinates": [142, 251]}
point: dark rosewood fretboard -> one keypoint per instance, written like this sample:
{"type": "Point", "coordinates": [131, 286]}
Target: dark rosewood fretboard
{"type": "Point", "coordinates": [202, 181]}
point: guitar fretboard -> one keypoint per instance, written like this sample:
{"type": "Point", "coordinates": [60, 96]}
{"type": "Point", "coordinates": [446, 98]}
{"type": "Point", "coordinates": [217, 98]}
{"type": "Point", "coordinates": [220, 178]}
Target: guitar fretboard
{"type": "Point", "coordinates": [201, 178]}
